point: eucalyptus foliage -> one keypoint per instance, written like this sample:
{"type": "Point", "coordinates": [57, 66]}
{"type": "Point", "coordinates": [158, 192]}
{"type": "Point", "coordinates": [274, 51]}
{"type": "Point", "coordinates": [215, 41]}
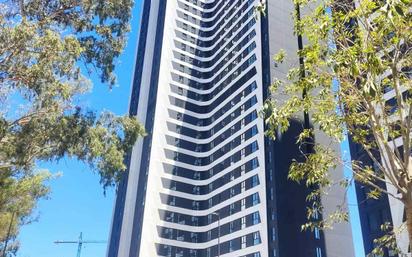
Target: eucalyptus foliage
{"type": "Point", "coordinates": [354, 53]}
{"type": "Point", "coordinates": [47, 50]}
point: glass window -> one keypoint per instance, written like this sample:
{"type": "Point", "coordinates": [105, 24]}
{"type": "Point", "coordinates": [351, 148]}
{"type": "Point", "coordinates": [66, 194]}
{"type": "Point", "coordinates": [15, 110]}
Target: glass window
{"type": "Point", "coordinates": [254, 130]}
{"type": "Point", "coordinates": [195, 221]}
{"type": "Point", "coordinates": [317, 233]}
{"type": "Point", "coordinates": [195, 205]}
{"type": "Point", "coordinates": [254, 163]}
{"type": "Point", "coordinates": [243, 222]}
{"type": "Point", "coordinates": [243, 242]}
{"type": "Point", "coordinates": [273, 234]}
{"type": "Point", "coordinates": [254, 115]}
{"type": "Point", "coordinates": [255, 181]}
{"type": "Point", "coordinates": [168, 250]}
{"type": "Point", "coordinates": [232, 208]}
{"type": "Point", "coordinates": [253, 100]}
{"type": "Point", "coordinates": [255, 198]}
{"type": "Point", "coordinates": [254, 86]}
{"type": "Point", "coordinates": [243, 203]}
{"type": "Point", "coordinates": [254, 146]}
{"type": "Point", "coordinates": [180, 237]}
{"type": "Point", "coordinates": [318, 252]}
{"type": "Point", "coordinates": [172, 201]}
{"type": "Point", "coordinates": [242, 186]}
{"type": "Point", "coordinates": [256, 239]}
{"type": "Point", "coordinates": [192, 253]}
{"type": "Point", "coordinates": [242, 152]}
{"type": "Point", "coordinates": [256, 218]}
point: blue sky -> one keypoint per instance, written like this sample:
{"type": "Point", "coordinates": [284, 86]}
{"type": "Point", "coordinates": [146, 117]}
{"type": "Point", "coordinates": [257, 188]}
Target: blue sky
{"type": "Point", "coordinates": [352, 205]}
{"type": "Point", "coordinates": [77, 203]}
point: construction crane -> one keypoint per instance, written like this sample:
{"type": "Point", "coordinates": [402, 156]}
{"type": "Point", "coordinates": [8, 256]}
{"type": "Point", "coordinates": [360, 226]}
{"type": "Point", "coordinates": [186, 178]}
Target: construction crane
{"type": "Point", "coordinates": [80, 243]}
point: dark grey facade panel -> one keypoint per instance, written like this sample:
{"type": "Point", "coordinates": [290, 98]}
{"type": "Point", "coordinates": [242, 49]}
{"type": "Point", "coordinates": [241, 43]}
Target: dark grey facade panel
{"type": "Point", "coordinates": [154, 79]}
{"type": "Point", "coordinates": [133, 105]}
{"type": "Point", "coordinates": [372, 212]}
{"type": "Point", "coordinates": [289, 202]}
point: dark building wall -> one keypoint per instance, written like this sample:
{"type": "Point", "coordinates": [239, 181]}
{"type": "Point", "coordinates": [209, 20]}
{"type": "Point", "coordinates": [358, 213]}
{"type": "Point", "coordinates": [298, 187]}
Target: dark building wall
{"type": "Point", "coordinates": [118, 215]}
{"type": "Point", "coordinates": [289, 202]}
{"type": "Point", "coordinates": [134, 101]}
{"type": "Point", "coordinates": [286, 199]}
{"type": "Point", "coordinates": [373, 213]}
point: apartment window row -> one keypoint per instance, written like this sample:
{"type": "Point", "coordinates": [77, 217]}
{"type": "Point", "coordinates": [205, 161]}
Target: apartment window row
{"type": "Point", "coordinates": [209, 74]}
{"type": "Point", "coordinates": [404, 72]}
{"type": "Point", "coordinates": [226, 247]}
{"type": "Point", "coordinates": [208, 16]}
{"type": "Point", "coordinates": [205, 14]}
{"type": "Point", "coordinates": [206, 189]}
{"type": "Point", "coordinates": [225, 195]}
{"type": "Point", "coordinates": [391, 105]}
{"type": "Point", "coordinates": [218, 45]}
{"type": "Point", "coordinates": [224, 111]}
{"type": "Point", "coordinates": [203, 175]}
{"type": "Point", "coordinates": [200, 148]}
{"type": "Point", "coordinates": [217, 23]}
{"type": "Point", "coordinates": [218, 13]}
{"type": "Point", "coordinates": [256, 254]}
{"type": "Point", "coordinates": [203, 161]}
{"type": "Point", "coordinates": [218, 79]}
{"type": "Point", "coordinates": [199, 221]}
{"type": "Point", "coordinates": [224, 124]}
{"type": "Point", "coordinates": [221, 52]}
{"type": "Point", "coordinates": [204, 5]}
{"type": "Point", "coordinates": [230, 65]}
{"type": "Point", "coordinates": [234, 86]}
{"type": "Point", "coordinates": [218, 101]}
{"type": "Point", "coordinates": [218, 32]}
{"type": "Point", "coordinates": [203, 237]}
{"type": "Point", "coordinates": [230, 116]}
{"type": "Point", "coordinates": [189, 106]}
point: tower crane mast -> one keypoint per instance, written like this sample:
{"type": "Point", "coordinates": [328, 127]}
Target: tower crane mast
{"type": "Point", "coordinates": [80, 243]}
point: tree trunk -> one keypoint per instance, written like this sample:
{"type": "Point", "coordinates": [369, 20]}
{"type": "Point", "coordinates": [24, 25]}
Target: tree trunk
{"type": "Point", "coordinates": [408, 213]}
{"type": "Point", "coordinates": [8, 234]}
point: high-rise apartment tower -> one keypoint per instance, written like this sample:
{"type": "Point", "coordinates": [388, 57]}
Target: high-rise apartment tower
{"type": "Point", "coordinates": [206, 181]}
